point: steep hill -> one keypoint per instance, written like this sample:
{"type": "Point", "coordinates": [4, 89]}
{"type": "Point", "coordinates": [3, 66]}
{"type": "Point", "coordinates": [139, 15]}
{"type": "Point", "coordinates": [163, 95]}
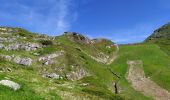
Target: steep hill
{"type": "Point", "coordinates": [161, 37]}
{"type": "Point", "coordinates": [69, 67]}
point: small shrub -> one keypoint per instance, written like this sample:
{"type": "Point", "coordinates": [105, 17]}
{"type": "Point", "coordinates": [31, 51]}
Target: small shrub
{"type": "Point", "coordinates": [46, 42]}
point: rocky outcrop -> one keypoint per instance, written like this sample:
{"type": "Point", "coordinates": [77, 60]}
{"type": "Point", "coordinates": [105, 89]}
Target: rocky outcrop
{"type": "Point", "coordinates": [17, 59]}
{"type": "Point", "coordinates": [73, 36]}
{"type": "Point", "coordinates": [23, 61]}
{"type": "Point", "coordinates": [23, 46]}
{"type": "Point", "coordinates": [51, 75]}
{"type": "Point", "coordinates": [77, 74]}
{"type": "Point", "coordinates": [47, 60]}
{"type": "Point", "coordinates": [10, 84]}
{"type": "Point", "coordinates": [8, 40]}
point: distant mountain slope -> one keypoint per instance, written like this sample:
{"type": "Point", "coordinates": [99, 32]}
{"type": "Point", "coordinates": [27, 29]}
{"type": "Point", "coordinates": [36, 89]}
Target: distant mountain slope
{"type": "Point", "coordinates": [161, 37]}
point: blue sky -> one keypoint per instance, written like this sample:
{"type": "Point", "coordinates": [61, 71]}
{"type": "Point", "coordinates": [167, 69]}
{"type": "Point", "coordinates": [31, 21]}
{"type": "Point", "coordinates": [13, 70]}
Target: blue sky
{"type": "Point", "coordinates": [123, 21]}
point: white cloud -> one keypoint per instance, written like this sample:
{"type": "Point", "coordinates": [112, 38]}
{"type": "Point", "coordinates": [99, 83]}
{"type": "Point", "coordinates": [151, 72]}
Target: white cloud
{"type": "Point", "coordinates": [52, 16]}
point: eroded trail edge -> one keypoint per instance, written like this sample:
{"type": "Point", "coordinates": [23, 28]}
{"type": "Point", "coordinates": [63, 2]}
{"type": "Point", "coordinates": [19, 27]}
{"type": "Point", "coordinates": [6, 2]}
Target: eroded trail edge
{"type": "Point", "coordinates": [136, 77]}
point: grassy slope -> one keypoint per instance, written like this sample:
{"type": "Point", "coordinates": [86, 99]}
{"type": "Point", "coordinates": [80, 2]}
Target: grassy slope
{"type": "Point", "coordinates": [35, 87]}
{"type": "Point", "coordinates": [161, 37]}
{"type": "Point", "coordinates": [101, 77]}
{"type": "Point", "coordinates": [156, 66]}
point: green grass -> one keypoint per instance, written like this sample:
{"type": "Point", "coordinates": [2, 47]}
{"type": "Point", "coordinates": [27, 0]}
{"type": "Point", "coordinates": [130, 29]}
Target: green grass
{"type": "Point", "coordinates": [156, 66]}
{"type": "Point", "coordinates": [100, 83]}
{"type": "Point", "coordinates": [100, 79]}
{"type": "Point", "coordinates": [161, 37]}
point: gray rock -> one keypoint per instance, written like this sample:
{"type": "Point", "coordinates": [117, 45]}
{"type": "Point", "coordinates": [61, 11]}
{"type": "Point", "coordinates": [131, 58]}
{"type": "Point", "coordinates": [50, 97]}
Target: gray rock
{"type": "Point", "coordinates": [9, 40]}
{"type": "Point", "coordinates": [12, 47]}
{"type": "Point", "coordinates": [23, 46]}
{"type": "Point", "coordinates": [47, 60]}
{"type": "Point", "coordinates": [10, 84]}
{"type": "Point", "coordinates": [51, 75]}
{"type": "Point", "coordinates": [2, 46]}
{"type": "Point", "coordinates": [23, 61]}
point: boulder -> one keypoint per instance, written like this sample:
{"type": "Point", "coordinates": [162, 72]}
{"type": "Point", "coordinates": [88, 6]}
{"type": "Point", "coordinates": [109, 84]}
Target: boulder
{"type": "Point", "coordinates": [10, 84]}
{"type": "Point", "coordinates": [51, 75]}
{"type": "Point", "coordinates": [23, 61]}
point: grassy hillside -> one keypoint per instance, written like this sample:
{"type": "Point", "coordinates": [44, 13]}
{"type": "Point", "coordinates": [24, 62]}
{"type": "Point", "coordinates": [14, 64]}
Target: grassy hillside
{"type": "Point", "coordinates": [156, 66]}
{"type": "Point", "coordinates": [95, 84]}
{"type": "Point", "coordinates": [74, 67]}
{"type": "Point", "coordinates": [161, 37]}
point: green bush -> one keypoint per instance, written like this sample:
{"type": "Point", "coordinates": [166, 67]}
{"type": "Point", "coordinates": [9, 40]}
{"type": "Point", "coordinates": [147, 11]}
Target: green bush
{"type": "Point", "coordinates": [46, 42]}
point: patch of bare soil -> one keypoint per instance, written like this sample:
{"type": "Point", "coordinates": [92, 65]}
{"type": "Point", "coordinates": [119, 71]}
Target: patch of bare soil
{"type": "Point", "coordinates": [136, 77]}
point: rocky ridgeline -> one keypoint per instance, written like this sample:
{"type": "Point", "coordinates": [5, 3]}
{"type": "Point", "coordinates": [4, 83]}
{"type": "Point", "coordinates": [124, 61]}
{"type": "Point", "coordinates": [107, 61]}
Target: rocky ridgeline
{"type": "Point", "coordinates": [17, 59]}
{"type": "Point", "coordinates": [73, 36]}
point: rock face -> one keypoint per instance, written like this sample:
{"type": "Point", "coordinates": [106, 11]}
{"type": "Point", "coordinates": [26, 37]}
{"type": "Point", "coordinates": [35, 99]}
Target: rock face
{"type": "Point", "coordinates": [23, 61]}
{"type": "Point", "coordinates": [47, 60]}
{"type": "Point", "coordinates": [23, 46]}
{"type": "Point", "coordinates": [10, 84]}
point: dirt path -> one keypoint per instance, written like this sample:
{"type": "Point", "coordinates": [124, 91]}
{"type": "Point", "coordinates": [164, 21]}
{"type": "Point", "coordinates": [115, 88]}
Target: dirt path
{"type": "Point", "coordinates": [136, 77]}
